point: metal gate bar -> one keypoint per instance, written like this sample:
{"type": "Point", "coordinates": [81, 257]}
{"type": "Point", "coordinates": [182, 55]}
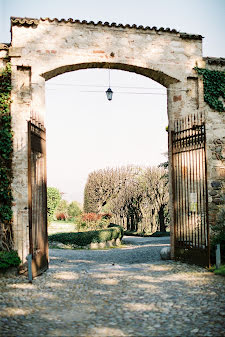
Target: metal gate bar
{"type": "Point", "coordinates": [190, 197]}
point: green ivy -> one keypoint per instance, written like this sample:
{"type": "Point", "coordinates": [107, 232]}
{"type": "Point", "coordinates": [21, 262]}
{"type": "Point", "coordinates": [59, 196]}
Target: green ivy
{"type": "Point", "coordinates": [6, 148]}
{"type": "Point", "coordinates": [214, 87]}
{"type": "Point", "coordinates": [9, 259]}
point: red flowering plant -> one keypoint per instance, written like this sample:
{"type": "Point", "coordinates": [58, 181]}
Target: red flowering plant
{"type": "Point", "coordinates": [94, 221]}
{"type": "Point", "coordinates": [61, 216]}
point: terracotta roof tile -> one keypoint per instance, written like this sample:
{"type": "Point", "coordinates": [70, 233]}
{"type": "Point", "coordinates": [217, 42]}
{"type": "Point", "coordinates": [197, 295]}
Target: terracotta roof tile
{"type": "Point", "coordinates": [34, 22]}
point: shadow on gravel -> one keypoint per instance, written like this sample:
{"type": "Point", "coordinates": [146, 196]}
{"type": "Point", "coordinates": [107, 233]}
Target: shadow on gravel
{"type": "Point", "coordinates": [86, 294]}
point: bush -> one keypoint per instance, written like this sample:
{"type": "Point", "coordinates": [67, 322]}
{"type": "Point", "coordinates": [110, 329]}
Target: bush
{"type": "Point", "coordinates": [219, 271]}
{"type": "Point", "coordinates": [86, 238]}
{"type": "Point", "coordinates": [61, 216]}
{"type": "Point", "coordinates": [93, 221]}
{"type": "Point", "coordinates": [218, 236]}
{"type": "Point", "coordinates": [73, 209]}
{"type": "Point", "coordinates": [9, 259]}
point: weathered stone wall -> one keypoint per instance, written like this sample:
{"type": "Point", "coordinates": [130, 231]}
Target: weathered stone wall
{"type": "Point", "coordinates": [215, 144]}
{"type": "Point", "coordinates": [42, 49]}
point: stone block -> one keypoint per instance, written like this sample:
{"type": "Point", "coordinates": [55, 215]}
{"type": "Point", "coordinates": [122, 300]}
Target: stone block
{"type": "Point", "coordinates": [165, 253]}
{"type": "Point", "coordinates": [15, 52]}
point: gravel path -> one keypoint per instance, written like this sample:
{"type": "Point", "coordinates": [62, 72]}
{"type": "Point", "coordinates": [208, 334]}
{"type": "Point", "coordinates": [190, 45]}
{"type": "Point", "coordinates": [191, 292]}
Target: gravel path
{"type": "Point", "coordinates": [116, 292]}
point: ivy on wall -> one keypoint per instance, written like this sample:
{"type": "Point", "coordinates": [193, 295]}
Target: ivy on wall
{"type": "Point", "coordinates": [214, 87]}
{"type": "Point", "coordinates": [6, 148]}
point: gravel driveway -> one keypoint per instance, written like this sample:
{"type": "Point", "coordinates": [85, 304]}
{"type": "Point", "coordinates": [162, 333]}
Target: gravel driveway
{"type": "Point", "coordinates": [116, 292]}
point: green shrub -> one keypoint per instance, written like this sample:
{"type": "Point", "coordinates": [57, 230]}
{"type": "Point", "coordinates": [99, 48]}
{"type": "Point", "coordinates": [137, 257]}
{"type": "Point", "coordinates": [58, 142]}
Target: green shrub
{"type": "Point", "coordinates": [73, 209]}
{"type": "Point", "coordinates": [218, 236]}
{"type": "Point", "coordinates": [9, 259]}
{"type": "Point", "coordinates": [118, 226]}
{"type": "Point", "coordinates": [85, 238]}
{"type": "Point", "coordinates": [219, 271]}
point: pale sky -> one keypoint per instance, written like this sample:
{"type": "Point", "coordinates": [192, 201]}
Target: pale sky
{"type": "Point", "coordinates": [85, 132]}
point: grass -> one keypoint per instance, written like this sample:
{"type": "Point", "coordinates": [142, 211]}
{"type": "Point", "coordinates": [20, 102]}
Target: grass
{"type": "Point", "coordinates": [219, 271]}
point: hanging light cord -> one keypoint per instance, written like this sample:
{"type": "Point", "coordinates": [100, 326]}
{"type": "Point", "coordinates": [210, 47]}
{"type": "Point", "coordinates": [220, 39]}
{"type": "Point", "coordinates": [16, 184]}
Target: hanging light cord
{"type": "Point", "coordinates": [109, 77]}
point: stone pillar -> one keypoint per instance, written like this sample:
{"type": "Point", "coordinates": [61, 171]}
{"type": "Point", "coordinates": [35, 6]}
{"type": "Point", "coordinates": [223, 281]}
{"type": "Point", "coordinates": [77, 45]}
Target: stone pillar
{"type": "Point", "coordinates": [20, 111]}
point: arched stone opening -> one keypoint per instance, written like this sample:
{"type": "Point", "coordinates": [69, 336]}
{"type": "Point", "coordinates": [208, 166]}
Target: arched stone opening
{"type": "Point", "coordinates": [44, 48]}
{"type": "Point", "coordinates": [155, 75]}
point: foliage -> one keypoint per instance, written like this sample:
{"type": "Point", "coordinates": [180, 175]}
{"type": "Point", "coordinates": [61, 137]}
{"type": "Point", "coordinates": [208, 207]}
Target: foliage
{"type": "Point", "coordinates": [62, 207]}
{"type": "Point", "coordinates": [61, 216]}
{"type": "Point", "coordinates": [53, 199]}
{"type": "Point", "coordinates": [74, 209]}
{"type": "Point", "coordinates": [85, 238]}
{"type": "Point", "coordinates": [214, 87]}
{"type": "Point", "coordinates": [137, 197]}
{"type": "Point", "coordinates": [93, 221]}
{"type": "Point", "coordinates": [101, 186]}
{"type": "Point", "coordinates": [9, 259]}
{"type": "Point", "coordinates": [218, 235]}
{"type": "Point", "coordinates": [219, 271]}
{"type": "Point", "coordinates": [6, 148]}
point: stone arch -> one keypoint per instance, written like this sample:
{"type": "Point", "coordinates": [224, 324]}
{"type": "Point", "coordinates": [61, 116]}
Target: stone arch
{"type": "Point", "coordinates": [43, 48]}
{"type": "Point", "coordinates": [155, 75]}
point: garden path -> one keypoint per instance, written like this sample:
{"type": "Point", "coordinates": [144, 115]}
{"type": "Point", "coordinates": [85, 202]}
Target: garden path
{"type": "Point", "coordinates": [116, 292]}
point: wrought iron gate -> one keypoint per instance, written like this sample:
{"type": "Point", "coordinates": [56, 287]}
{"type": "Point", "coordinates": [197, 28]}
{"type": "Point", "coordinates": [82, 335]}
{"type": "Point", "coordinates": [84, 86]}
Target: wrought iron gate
{"type": "Point", "coordinates": [37, 194]}
{"type": "Point", "coordinates": [190, 195]}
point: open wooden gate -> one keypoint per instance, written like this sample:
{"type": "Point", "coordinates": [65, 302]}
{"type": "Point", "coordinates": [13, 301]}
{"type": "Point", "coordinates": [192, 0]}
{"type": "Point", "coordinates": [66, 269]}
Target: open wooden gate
{"type": "Point", "coordinates": [37, 195]}
{"type": "Point", "coordinates": [190, 195]}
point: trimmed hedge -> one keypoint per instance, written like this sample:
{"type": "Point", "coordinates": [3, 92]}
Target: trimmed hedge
{"type": "Point", "coordinates": [9, 259]}
{"type": "Point", "coordinates": [86, 238]}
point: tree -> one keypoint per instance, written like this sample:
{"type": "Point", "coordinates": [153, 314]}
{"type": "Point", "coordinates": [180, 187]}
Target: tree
{"type": "Point", "coordinates": [53, 199]}
{"type": "Point", "coordinates": [74, 209]}
{"type": "Point", "coordinates": [62, 207]}
{"type": "Point", "coordinates": [137, 197]}
{"type": "Point", "coordinates": [155, 186]}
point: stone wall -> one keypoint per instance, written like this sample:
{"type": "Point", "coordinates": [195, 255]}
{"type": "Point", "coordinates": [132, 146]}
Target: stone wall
{"type": "Point", "coordinates": [42, 49]}
{"type": "Point", "coordinates": [215, 143]}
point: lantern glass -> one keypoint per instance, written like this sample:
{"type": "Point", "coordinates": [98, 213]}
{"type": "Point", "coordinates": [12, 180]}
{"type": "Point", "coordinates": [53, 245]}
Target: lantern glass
{"type": "Point", "coordinates": [109, 94]}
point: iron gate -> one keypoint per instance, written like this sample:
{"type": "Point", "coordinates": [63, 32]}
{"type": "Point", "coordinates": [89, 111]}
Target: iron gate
{"type": "Point", "coordinates": [190, 197]}
{"type": "Point", "coordinates": [37, 195]}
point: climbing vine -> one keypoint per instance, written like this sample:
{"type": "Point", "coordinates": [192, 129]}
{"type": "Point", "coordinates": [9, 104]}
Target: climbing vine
{"type": "Point", "coordinates": [6, 240]}
{"type": "Point", "coordinates": [214, 87]}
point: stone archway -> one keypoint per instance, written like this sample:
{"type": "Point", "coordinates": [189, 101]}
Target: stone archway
{"type": "Point", "coordinates": [43, 48]}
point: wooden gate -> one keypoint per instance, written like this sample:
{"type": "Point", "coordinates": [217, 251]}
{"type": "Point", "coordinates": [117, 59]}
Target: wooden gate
{"type": "Point", "coordinates": [190, 195]}
{"type": "Point", "coordinates": [37, 194]}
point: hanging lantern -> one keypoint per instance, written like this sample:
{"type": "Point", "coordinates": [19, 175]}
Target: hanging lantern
{"type": "Point", "coordinates": [109, 94]}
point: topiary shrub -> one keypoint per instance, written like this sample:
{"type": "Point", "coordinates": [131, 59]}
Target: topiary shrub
{"type": "Point", "coordinates": [9, 259]}
{"type": "Point", "coordinates": [118, 226]}
{"type": "Point", "coordinates": [86, 238]}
